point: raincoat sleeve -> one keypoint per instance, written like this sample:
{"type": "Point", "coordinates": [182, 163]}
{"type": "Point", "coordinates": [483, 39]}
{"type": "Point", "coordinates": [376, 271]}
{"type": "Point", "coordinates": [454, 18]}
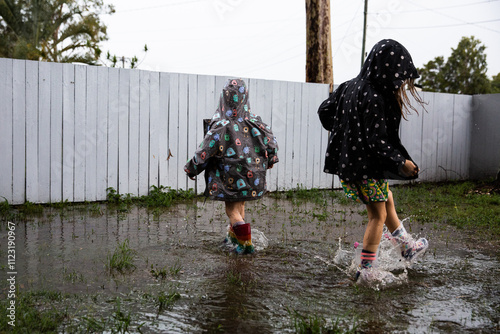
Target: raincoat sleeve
{"type": "Point", "coordinates": [271, 144]}
{"type": "Point", "coordinates": [378, 139]}
{"type": "Point", "coordinates": [208, 149]}
{"type": "Point", "coordinates": [326, 113]}
{"type": "Point", "coordinates": [272, 151]}
{"type": "Point", "coordinates": [327, 109]}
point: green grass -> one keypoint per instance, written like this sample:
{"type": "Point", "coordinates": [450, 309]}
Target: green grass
{"type": "Point", "coordinates": [234, 278]}
{"type": "Point", "coordinates": [29, 318]}
{"type": "Point", "coordinates": [122, 258]}
{"type": "Point", "coordinates": [165, 300]}
{"type": "Point", "coordinates": [453, 203]}
{"type": "Point", "coordinates": [175, 268]}
{"type": "Point", "coordinates": [160, 273]}
{"type": "Point", "coordinates": [118, 322]}
{"type": "Point", "coordinates": [158, 197]}
{"type": "Point", "coordinates": [316, 324]}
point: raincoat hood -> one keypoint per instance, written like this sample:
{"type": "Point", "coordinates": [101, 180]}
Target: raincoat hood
{"type": "Point", "coordinates": [233, 102]}
{"type": "Point", "coordinates": [388, 65]}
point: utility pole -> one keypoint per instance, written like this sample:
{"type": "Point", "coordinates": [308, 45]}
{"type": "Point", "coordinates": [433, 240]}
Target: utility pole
{"type": "Point", "coordinates": [364, 34]}
{"type": "Point", "coordinates": [318, 42]}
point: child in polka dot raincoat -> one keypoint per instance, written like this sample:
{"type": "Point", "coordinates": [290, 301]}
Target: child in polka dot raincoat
{"type": "Point", "coordinates": [363, 117]}
{"type": "Point", "coordinates": [235, 155]}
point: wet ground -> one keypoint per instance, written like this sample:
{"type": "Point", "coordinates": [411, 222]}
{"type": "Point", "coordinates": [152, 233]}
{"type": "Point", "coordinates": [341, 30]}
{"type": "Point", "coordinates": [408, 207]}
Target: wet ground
{"type": "Point", "coordinates": [182, 280]}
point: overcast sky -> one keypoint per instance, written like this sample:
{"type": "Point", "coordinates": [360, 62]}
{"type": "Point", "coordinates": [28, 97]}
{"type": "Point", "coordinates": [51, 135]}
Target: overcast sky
{"type": "Point", "coordinates": [266, 38]}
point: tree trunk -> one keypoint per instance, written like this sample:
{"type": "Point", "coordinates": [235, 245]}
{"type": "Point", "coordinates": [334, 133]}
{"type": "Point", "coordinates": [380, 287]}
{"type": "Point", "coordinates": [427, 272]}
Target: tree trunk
{"type": "Point", "coordinates": [318, 42]}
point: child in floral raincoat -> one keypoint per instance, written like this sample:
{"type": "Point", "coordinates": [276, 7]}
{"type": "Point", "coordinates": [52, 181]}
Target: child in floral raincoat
{"type": "Point", "coordinates": [235, 155]}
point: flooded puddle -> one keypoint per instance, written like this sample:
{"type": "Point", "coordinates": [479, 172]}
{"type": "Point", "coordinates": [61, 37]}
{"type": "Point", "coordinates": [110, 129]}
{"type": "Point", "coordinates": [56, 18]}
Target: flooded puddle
{"type": "Point", "coordinates": [175, 276]}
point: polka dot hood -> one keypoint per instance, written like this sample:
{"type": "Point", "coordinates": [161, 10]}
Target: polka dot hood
{"type": "Point", "coordinates": [237, 149]}
{"type": "Point", "coordinates": [388, 65]}
{"type": "Point", "coordinates": [363, 118]}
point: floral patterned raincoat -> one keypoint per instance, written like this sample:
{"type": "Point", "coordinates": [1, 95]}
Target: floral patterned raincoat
{"type": "Point", "coordinates": [237, 149]}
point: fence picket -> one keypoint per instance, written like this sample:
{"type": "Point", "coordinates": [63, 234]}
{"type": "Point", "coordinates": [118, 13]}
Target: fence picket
{"type": "Point", "coordinates": [154, 130]}
{"type": "Point", "coordinates": [134, 126]}
{"type": "Point", "coordinates": [80, 148]}
{"type": "Point", "coordinates": [91, 135]}
{"type": "Point", "coordinates": [68, 167]}
{"type": "Point", "coordinates": [6, 129]}
{"type": "Point", "coordinates": [144, 106]}
{"type": "Point", "coordinates": [102, 132]}
{"type": "Point", "coordinates": [113, 117]}
{"type": "Point", "coordinates": [43, 140]}
{"type": "Point", "coordinates": [56, 128]}
{"type": "Point", "coordinates": [123, 131]}
{"type": "Point", "coordinates": [31, 98]}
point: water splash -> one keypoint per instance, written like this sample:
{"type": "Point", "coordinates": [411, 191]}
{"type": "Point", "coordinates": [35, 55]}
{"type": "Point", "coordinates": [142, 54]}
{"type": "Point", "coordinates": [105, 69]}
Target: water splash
{"type": "Point", "coordinates": [382, 275]}
{"type": "Point", "coordinates": [259, 240]}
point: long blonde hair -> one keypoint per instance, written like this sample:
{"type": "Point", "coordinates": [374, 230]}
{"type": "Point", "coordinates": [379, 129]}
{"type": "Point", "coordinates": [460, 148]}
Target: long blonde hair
{"type": "Point", "coordinates": [404, 100]}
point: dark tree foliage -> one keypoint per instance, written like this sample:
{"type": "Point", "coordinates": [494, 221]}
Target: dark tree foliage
{"type": "Point", "coordinates": [464, 72]}
{"type": "Point", "coordinates": [53, 30]}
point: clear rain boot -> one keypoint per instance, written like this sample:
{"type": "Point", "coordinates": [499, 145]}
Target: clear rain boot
{"type": "Point", "coordinates": [410, 249]}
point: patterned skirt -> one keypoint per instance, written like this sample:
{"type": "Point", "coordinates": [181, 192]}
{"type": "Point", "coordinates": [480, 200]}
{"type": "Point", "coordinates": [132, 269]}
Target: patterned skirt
{"type": "Point", "coordinates": [366, 191]}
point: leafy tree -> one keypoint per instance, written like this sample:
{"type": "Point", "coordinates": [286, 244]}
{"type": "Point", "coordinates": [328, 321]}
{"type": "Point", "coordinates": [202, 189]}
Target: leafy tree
{"type": "Point", "coordinates": [495, 85]}
{"type": "Point", "coordinates": [432, 76]}
{"type": "Point", "coordinates": [53, 30]}
{"type": "Point", "coordinates": [463, 73]}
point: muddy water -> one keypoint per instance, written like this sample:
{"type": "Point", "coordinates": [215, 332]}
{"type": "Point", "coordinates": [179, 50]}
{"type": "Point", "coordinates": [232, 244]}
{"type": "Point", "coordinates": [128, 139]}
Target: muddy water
{"type": "Point", "coordinates": [303, 270]}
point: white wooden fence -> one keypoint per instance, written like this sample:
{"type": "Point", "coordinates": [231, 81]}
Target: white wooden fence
{"type": "Point", "coordinates": [68, 132]}
{"type": "Point", "coordinates": [439, 139]}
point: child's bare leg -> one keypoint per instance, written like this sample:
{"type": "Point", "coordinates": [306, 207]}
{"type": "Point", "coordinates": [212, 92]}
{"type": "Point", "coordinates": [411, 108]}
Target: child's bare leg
{"type": "Point", "coordinates": [377, 216]}
{"type": "Point", "coordinates": [242, 210]}
{"type": "Point", "coordinates": [392, 220]}
{"type": "Point", "coordinates": [410, 248]}
{"type": "Point", "coordinates": [233, 211]}
{"type": "Point", "coordinates": [240, 233]}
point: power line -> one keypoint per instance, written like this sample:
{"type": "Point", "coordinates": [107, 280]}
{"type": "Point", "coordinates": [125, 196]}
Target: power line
{"type": "Point", "coordinates": [345, 35]}
{"type": "Point", "coordinates": [445, 25]}
{"type": "Point", "coordinates": [184, 2]}
{"type": "Point", "coordinates": [437, 8]}
{"type": "Point", "coordinates": [454, 18]}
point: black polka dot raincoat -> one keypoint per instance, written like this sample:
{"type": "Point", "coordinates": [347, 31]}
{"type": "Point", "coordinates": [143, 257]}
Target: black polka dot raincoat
{"type": "Point", "coordinates": [237, 149]}
{"type": "Point", "coordinates": [363, 116]}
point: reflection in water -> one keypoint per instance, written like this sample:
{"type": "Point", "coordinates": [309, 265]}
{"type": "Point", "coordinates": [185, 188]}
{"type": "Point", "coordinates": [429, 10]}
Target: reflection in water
{"type": "Point", "coordinates": [304, 264]}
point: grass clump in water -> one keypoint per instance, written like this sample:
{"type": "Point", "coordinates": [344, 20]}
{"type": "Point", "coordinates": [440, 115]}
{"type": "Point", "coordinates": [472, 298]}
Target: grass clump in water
{"type": "Point", "coordinates": [122, 258]}
{"type": "Point", "coordinates": [234, 278]}
{"type": "Point", "coordinates": [316, 324]}
{"type": "Point", "coordinates": [160, 273]}
{"type": "Point", "coordinates": [165, 300]}
{"type": "Point", "coordinates": [28, 317]}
